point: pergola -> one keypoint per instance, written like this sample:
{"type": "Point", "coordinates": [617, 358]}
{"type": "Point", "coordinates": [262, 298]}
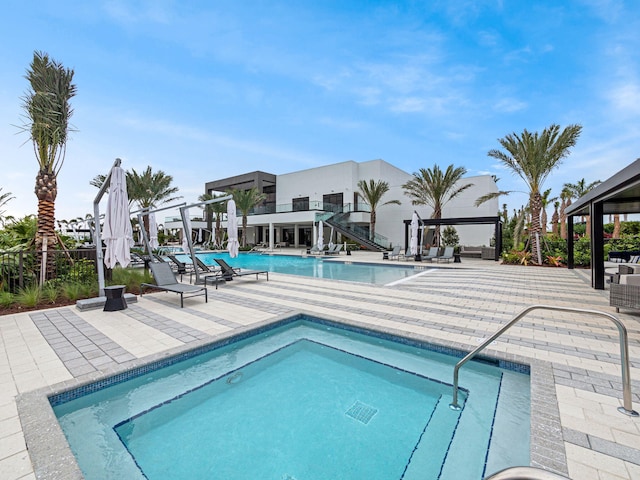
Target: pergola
{"type": "Point", "coordinates": [496, 221]}
{"type": "Point", "coordinates": [617, 195]}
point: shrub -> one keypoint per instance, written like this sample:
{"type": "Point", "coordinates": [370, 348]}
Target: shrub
{"type": "Point", "coordinates": [50, 292]}
{"type": "Point", "coordinates": [72, 290]}
{"type": "Point", "coordinates": [6, 299]}
{"type": "Point", "coordinates": [29, 296]}
{"type": "Point", "coordinates": [131, 278]}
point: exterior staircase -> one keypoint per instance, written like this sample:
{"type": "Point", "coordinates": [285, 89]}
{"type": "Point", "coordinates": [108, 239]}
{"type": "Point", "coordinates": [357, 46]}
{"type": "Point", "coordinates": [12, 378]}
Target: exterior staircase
{"type": "Point", "coordinates": [356, 233]}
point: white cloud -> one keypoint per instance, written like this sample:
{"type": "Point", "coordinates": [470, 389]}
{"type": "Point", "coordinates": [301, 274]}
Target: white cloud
{"type": "Point", "coordinates": [509, 105]}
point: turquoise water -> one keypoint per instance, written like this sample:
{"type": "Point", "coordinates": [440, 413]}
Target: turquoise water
{"type": "Point", "coordinates": [304, 401]}
{"type": "Point", "coordinates": [319, 267]}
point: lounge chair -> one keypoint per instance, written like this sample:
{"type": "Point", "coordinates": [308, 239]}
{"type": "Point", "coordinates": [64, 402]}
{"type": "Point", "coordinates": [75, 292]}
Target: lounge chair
{"type": "Point", "coordinates": [447, 255]}
{"type": "Point", "coordinates": [395, 253]}
{"type": "Point", "coordinates": [228, 272]}
{"type": "Point", "coordinates": [206, 272]}
{"type": "Point", "coordinates": [166, 280]}
{"type": "Point", "coordinates": [335, 250]}
{"type": "Point", "coordinates": [315, 250]}
{"type": "Point", "coordinates": [433, 253]}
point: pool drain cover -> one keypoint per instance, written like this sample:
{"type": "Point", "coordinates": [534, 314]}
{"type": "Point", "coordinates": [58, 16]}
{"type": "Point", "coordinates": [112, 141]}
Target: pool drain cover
{"type": "Point", "coordinates": [361, 412]}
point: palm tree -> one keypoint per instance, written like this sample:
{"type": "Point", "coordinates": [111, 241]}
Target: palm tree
{"type": "Point", "coordinates": [533, 157]}
{"type": "Point", "coordinates": [216, 210]}
{"type": "Point", "coordinates": [555, 219]}
{"type": "Point", "coordinates": [150, 189]}
{"type": "Point", "coordinates": [565, 197]}
{"type": "Point", "coordinates": [372, 193]}
{"type": "Point", "coordinates": [577, 190]}
{"type": "Point", "coordinates": [48, 112]}
{"type": "Point", "coordinates": [4, 199]}
{"type": "Point", "coordinates": [245, 201]}
{"type": "Point", "coordinates": [546, 201]}
{"type": "Point", "coordinates": [433, 187]}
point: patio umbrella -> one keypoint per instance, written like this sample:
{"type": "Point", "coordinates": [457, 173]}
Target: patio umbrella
{"type": "Point", "coordinates": [331, 245]}
{"type": "Point", "coordinates": [199, 235]}
{"type": "Point", "coordinates": [187, 233]}
{"type": "Point", "coordinates": [232, 229]}
{"type": "Point", "coordinates": [414, 234]}
{"type": "Point", "coordinates": [118, 234]}
{"type": "Point", "coordinates": [153, 231]}
{"type": "Point", "coordinates": [320, 236]}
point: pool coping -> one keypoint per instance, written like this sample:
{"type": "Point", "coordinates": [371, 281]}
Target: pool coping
{"type": "Point", "coordinates": [52, 457]}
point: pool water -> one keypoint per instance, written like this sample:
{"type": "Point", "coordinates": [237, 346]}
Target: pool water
{"type": "Point", "coordinates": [319, 267]}
{"type": "Point", "coordinates": [305, 400]}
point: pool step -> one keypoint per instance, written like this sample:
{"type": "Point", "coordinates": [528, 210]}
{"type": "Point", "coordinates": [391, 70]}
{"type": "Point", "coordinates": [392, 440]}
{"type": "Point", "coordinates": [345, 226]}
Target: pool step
{"type": "Point", "coordinates": [431, 451]}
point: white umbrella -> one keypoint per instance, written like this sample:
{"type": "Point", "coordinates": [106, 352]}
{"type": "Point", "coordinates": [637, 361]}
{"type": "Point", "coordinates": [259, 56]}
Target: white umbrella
{"type": "Point", "coordinates": [118, 234]}
{"type": "Point", "coordinates": [187, 233]}
{"type": "Point", "coordinates": [232, 229]}
{"type": "Point", "coordinates": [199, 235]}
{"type": "Point", "coordinates": [320, 236]}
{"type": "Point", "coordinates": [414, 234]}
{"type": "Point", "coordinates": [331, 244]}
{"type": "Point", "coordinates": [153, 231]}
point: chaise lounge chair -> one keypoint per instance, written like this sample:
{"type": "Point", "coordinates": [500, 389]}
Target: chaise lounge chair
{"type": "Point", "coordinates": [166, 280]}
{"type": "Point", "coordinates": [335, 250]}
{"type": "Point", "coordinates": [433, 253]}
{"type": "Point", "coordinates": [447, 255]}
{"type": "Point", "coordinates": [228, 272]}
{"type": "Point", "coordinates": [395, 253]}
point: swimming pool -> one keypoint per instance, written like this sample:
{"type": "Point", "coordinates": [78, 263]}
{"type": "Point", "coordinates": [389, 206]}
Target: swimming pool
{"type": "Point", "coordinates": [302, 398]}
{"type": "Point", "coordinates": [318, 267]}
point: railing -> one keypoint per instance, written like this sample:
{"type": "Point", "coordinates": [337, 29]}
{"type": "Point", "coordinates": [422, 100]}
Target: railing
{"type": "Point", "coordinates": [18, 268]}
{"type": "Point", "coordinates": [627, 407]}
{"type": "Point", "coordinates": [359, 231]}
{"type": "Point", "coordinates": [525, 473]}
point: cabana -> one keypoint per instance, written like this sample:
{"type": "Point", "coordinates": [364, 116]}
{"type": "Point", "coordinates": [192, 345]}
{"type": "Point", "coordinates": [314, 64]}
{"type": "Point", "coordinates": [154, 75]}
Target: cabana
{"type": "Point", "coordinates": [618, 194]}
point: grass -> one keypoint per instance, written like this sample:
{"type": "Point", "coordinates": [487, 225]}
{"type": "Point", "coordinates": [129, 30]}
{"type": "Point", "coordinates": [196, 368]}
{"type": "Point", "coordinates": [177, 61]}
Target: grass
{"type": "Point", "coordinates": [29, 296]}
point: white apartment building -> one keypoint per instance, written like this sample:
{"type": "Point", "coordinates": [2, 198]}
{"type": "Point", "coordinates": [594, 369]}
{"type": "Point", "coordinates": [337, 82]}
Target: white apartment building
{"type": "Point", "coordinates": [297, 201]}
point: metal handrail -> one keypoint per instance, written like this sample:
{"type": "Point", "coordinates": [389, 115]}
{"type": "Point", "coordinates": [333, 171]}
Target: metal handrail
{"type": "Point", "coordinates": [525, 473]}
{"type": "Point", "coordinates": [627, 407]}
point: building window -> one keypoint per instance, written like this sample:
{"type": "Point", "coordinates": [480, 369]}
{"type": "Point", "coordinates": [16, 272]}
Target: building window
{"type": "Point", "coordinates": [300, 204]}
{"type": "Point", "coordinates": [332, 202]}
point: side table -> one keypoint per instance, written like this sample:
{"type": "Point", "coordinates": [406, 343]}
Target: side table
{"type": "Point", "coordinates": [115, 298]}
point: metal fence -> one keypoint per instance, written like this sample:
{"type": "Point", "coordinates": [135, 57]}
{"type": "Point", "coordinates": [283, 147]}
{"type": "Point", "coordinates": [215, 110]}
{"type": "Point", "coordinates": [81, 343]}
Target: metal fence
{"type": "Point", "coordinates": [20, 268]}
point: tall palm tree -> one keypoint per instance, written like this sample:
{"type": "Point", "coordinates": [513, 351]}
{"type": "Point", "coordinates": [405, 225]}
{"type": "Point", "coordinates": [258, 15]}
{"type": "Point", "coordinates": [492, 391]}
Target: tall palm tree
{"type": "Point", "coordinates": [372, 193]}
{"type": "Point", "coordinates": [48, 112]}
{"type": "Point", "coordinates": [150, 189]}
{"type": "Point", "coordinates": [546, 201]}
{"type": "Point", "coordinates": [565, 198]}
{"type": "Point", "coordinates": [555, 219]}
{"type": "Point", "coordinates": [214, 210]}
{"type": "Point", "coordinates": [577, 190]}
{"type": "Point", "coordinates": [245, 201]}
{"type": "Point", "coordinates": [533, 156]}
{"type": "Point", "coordinates": [433, 187]}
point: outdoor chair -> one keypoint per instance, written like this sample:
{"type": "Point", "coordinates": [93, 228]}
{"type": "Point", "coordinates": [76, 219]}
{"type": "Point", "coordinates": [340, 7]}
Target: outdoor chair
{"type": "Point", "coordinates": [315, 250]}
{"type": "Point", "coordinates": [447, 255]}
{"type": "Point", "coordinates": [624, 290]}
{"type": "Point", "coordinates": [395, 253]}
{"type": "Point", "coordinates": [205, 272]}
{"type": "Point", "coordinates": [166, 280]}
{"type": "Point", "coordinates": [335, 250]}
{"type": "Point", "coordinates": [228, 272]}
{"type": "Point", "coordinates": [433, 253]}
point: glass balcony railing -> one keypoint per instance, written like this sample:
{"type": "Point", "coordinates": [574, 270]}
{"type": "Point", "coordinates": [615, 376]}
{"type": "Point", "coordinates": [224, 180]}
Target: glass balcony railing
{"type": "Point", "coordinates": [314, 206]}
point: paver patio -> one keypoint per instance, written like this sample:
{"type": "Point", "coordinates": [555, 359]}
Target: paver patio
{"type": "Point", "coordinates": [460, 303]}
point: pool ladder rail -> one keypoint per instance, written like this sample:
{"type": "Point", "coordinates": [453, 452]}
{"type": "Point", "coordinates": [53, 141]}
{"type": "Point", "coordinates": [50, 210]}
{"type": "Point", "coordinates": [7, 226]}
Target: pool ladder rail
{"type": "Point", "coordinates": [525, 473]}
{"type": "Point", "coordinates": [626, 409]}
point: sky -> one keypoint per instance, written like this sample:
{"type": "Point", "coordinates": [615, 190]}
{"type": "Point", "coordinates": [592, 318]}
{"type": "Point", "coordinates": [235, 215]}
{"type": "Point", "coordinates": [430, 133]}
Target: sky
{"type": "Point", "coordinates": [203, 90]}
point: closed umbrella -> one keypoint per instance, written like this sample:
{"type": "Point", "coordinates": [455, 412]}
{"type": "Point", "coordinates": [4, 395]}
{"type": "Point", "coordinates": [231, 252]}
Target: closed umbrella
{"type": "Point", "coordinates": [232, 229]}
{"type": "Point", "coordinates": [414, 234]}
{"type": "Point", "coordinates": [199, 235]}
{"type": "Point", "coordinates": [118, 234]}
{"type": "Point", "coordinates": [320, 243]}
{"type": "Point", "coordinates": [187, 233]}
{"type": "Point", "coordinates": [153, 231]}
{"type": "Point", "coordinates": [331, 244]}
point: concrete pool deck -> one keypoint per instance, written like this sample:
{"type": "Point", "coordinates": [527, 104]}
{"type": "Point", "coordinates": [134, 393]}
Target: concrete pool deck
{"type": "Point", "coordinates": [458, 303]}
